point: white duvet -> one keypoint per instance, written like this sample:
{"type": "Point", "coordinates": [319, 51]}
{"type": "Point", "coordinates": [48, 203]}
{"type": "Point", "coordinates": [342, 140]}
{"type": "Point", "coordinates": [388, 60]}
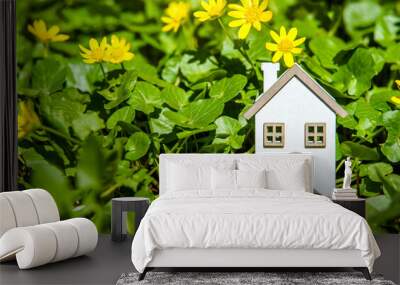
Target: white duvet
{"type": "Point", "coordinates": [253, 218]}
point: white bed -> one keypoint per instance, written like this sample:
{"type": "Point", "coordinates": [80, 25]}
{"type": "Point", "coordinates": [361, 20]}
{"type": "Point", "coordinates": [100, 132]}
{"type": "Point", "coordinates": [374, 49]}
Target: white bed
{"type": "Point", "coordinates": [216, 224]}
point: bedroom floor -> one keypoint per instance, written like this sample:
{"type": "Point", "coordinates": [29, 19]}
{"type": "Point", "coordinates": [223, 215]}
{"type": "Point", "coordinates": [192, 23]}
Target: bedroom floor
{"type": "Point", "coordinates": [103, 266]}
{"type": "Point", "coordinates": [110, 259]}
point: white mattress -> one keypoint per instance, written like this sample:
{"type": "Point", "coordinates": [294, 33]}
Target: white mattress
{"type": "Point", "coordinates": [250, 219]}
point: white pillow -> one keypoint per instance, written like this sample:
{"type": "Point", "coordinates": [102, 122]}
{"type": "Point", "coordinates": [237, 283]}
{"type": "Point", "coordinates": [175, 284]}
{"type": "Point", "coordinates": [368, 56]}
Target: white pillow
{"type": "Point", "coordinates": [282, 174]}
{"type": "Point", "coordinates": [223, 179]}
{"type": "Point", "coordinates": [183, 177]}
{"type": "Point", "coordinates": [251, 178]}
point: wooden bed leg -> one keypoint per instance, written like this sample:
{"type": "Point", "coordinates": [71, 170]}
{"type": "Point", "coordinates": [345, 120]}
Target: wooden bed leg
{"type": "Point", "coordinates": [143, 274]}
{"type": "Point", "coordinates": [364, 271]}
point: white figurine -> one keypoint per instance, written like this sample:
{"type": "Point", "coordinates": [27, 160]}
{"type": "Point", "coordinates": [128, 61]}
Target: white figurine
{"type": "Point", "coordinates": [347, 174]}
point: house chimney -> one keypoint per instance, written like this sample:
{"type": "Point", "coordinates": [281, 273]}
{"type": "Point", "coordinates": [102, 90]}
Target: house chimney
{"type": "Point", "coordinates": [270, 73]}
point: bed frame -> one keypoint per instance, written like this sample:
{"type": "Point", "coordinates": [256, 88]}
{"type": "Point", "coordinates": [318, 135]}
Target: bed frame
{"type": "Point", "coordinates": [244, 259]}
{"type": "Point", "coordinates": [249, 259]}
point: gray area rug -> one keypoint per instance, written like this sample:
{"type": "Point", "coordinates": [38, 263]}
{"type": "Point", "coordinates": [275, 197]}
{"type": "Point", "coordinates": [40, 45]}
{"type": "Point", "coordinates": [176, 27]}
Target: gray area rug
{"type": "Point", "coordinates": [244, 278]}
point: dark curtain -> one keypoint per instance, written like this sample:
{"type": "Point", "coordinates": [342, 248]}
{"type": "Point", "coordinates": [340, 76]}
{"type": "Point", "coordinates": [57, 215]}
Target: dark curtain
{"type": "Point", "coordinates": [8, 98]}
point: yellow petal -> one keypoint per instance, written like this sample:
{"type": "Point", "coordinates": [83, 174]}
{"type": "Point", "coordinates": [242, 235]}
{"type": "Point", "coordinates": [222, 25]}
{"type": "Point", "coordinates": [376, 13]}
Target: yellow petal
{"type": "Point", "coordinates": [128, 56]}
{"type": "Point", "coordinates": [271, 46]}
{"type": "Point", "coordinates": [114, 40]}
{"type": "Point", "coordinates": [245, 3]}
{"type": "Point", "coordinates": [277, 56]}
{"type": "Point", "coordinates": [31, 29]}
{"type": "Point", "coordinates": [398, 83]}
{"type": "Point", "coordinates": [205, 5]}
{"type": "Point", "coordinates": [93, 44]}
{"type": "Point", "coordinates": [299, 42]}
{"type": "Point", "coordinates": [203, 16]}
{"type": "Point", "coordinates": [236, 23]}
{"type": "Point", "coordinates": [288, 59]}
{"type": "Point", "coordinates": [257, 25]}
{"type": "Point", "coordinates": [83, 49]}
{"type": "Point", "coordinates": [166, 19]}
{"type": "Point", "coordinates": [54, 30]}
{"type": "Point", "coordinates": [60, 38]}
{"type": "Point", "coordinates": [40, 26]}
{"type": "Point", "coordinates": [292, 34]}
{"type": "Point", "coordinates": [237, 14]}
{"type": "Point", "coordinates": [167, 28]}
{"type": "Point", "coordinates": [395, 99]}
{"type": "Point", "coordinates": [266, 16]}
{"type": "Point", "coordinates": [244, 31]}
{"type": "Point", "coordinates": [275, 36]}
{"type": "Point", "coordinates": [296, 50]}
{"type": "Point", "coordinates": [103, 43]}
{"type": "Point", "coordinates": [282, 32]}
{"type": "Point", "coordinates": [236, 7]}
{"type": "Point", "coordinates": [264, 5]}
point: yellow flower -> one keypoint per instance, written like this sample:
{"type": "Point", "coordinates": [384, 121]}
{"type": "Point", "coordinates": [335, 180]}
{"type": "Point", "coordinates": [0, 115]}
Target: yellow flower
{"type": "Point", "coordinates": [213, 9]}
{"type": "Point", "coordinates": [396, 99]}
{"type": "Point", "coordinates": [96, 53]}
{"type": "Point", "coordinates": [39, 29]}
{"type": "Point", "coordinates": [28, 120]}
{"type": "Point", "coordinates": [118, 51]}
{"type": "Point", "coordinates": [176, 14]}
{"type": "Point", "coordinates": [252, 13]}
{"type": "Point", "coordinates": [286, 45]}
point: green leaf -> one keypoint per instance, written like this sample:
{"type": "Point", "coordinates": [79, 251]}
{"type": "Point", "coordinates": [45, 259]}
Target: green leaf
{"type": "Point", "coordinates": [83, 76]}
{"type": "Point", "coordinates": [326, 48]}
{"type": "Point", "coordinates": [87, 123]}
{"type": "Point", "coordinates": [62, 108]}
{"type": "Point", "coordinates": [356, 75]}
{"type": "Point", "coordinates": [392, 54]}
{"type": "Point", "coordinates": [125, 114]}
{"type": "Point", "coordinates": [97, 165]}
{"type": "Point", "coordinates": [392, 151]}
{"type": "Point", "coordinates": [391, 121]}
{"type": "Point", "coordinates": [375, 170]}
{"type": "Point", "coordinates": [48, 76]}
{"type": "Point", "coordinates": [386, 30]}
{"type": "Point", "coordinates": [360, 151]}
{"type": "Point", "coordinates": [198, 114]}
{"type": "Point", "coordinates": [227, 88]}
{"type": "Point", "coordinates": [48, 176]}
{"type": "Point", "coordinates": [146, 97]}
{"type": "Point", "coordinates": [227, 132]}
{"type": "Point", "coordinates": [161, 125]}
{"type": "Point", "coordinates": [175, 97]}
{"type": "Point", "coordinates": [137, 146]}
{"type": "Point", "coordinates": [361, 14]}
{"type": "Point", "coordinates": [121, 91]}
{"type": "Point", "coordinates": [194, 68]}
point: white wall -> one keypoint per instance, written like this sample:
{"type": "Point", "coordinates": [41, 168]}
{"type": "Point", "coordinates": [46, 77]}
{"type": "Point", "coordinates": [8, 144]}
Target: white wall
{"type": "Point", "coordinates": [295, 105]}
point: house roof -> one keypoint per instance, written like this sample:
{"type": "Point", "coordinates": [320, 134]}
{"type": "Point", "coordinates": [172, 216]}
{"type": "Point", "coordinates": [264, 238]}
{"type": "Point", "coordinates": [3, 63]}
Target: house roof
{"type": "Point", "coordinates": [307, 80]}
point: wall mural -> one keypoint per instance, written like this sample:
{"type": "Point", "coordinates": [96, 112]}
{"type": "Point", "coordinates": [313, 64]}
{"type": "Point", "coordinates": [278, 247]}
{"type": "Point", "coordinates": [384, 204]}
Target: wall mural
{"type": "Point", "coordinates": [106, 86]}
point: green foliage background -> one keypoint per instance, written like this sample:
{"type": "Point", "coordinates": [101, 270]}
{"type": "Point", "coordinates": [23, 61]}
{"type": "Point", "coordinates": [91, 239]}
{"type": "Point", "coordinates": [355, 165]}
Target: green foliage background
{"type": "Point", "coordinates": [87, 139]}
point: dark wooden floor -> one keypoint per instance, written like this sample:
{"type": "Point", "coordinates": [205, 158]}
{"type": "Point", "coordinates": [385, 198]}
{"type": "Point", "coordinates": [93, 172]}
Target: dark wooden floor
{"type": "Point", "coordinates": [110, 259]}
{"type": "Point", "coordinates": [103, 266]}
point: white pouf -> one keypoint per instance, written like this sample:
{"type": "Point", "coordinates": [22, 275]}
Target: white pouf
{"type": "Point", "coordinates": [31, 232]}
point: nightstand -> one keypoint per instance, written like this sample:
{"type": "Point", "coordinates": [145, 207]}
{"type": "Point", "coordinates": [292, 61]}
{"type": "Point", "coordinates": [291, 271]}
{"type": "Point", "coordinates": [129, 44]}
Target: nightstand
{"type": "Point", "coordinates": [355, 205]}
{"type": "Point", "coordinates": [120, 206]}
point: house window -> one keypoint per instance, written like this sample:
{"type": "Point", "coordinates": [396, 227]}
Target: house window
{"type": "Point", "coordinates": [274, 134]}
{"type": "Point", "coordinates": [314, 135]}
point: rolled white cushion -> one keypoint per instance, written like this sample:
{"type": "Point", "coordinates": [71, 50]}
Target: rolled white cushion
{"type": "Point", "coordinates": [87, 234]}
{"type": "Point", "coordinates": [66, 238]}
{"type": "Point", "coordinates": [40, 244]}
{"type": "Point", "coordinates": [7, 218]}
{"type": "Point", "coordinates": [33, 246]}
{"type": "Point", "coordinates": [23, 208]}
{"type": "Point", "coordinates": [46, 207]}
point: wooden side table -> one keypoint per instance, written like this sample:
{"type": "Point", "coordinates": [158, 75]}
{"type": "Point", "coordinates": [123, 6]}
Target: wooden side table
{"type": "Point", "coordinates": [122, 205]}
{"type": "Point", "coordinates": [355, 205]}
